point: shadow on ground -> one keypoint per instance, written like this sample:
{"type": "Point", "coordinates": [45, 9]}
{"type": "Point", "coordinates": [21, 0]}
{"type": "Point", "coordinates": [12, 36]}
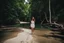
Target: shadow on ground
{"type": "Point", "coordinates": [8, 33]}
{"type": "Point", "coordinates": [47, 36]}
{"type": "Point", "coordinates": [55, 36]}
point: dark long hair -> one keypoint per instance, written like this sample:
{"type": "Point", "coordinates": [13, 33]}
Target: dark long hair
{"type": "Point", "coordinates": [33, 18]}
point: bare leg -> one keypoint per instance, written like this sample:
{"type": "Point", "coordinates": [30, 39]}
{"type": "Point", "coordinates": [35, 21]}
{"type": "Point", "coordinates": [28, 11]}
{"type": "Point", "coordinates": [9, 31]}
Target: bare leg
{"type": "Point", "coordinates": [32, 29]}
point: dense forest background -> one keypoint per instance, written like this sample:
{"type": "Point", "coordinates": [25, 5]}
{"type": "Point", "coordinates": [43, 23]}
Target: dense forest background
{"type": "Point", "coordinates": [13, 11]}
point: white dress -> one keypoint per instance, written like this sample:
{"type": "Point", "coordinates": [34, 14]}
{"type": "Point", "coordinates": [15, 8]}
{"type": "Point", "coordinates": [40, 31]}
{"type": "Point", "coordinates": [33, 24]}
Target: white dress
{"type": "Point", "coordinates": [32, 24]}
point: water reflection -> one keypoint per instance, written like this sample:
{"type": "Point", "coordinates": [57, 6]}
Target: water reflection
{"type": "Point", "coordinates": [24, 37]}
{"type": "Point", "coordinates": [6, 34]}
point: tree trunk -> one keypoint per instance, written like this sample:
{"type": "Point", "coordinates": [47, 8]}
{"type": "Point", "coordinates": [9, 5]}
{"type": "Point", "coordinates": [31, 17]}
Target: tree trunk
{"type": "Point", "coordinates": [49, 12]}
{"type": "Point", "coordinates": [46, 17]}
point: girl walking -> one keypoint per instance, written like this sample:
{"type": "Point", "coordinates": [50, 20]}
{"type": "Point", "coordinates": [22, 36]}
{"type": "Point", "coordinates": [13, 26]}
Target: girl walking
{"type": "Point", "coordinates": [32, 25]}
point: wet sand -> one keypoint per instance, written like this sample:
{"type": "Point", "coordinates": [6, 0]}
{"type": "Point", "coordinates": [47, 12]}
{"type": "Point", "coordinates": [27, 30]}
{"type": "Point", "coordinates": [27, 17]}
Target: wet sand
{"type": "Point", "coordinates": [45, 36]}
{"type": "Point", "coordinates": [7, 34]}
{"type": "Point", "coordinates": [22, 37]}
{"type": "Point", "coordinates": [38, 36]}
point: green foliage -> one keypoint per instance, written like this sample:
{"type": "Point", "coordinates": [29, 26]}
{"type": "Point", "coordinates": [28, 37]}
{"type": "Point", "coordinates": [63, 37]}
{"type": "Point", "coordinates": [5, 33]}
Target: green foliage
{"type": "Point", "coordinates": [57, 9]}
{"type": "Point", "coordinates": [41, 7]}
{"type": "Point", "coordinates": [38, 7]}
{"type": "Point", "coordinates": [11, 10]}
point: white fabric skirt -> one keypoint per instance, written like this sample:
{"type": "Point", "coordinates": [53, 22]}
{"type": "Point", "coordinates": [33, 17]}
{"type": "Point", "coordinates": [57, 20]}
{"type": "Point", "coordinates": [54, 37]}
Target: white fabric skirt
{"type": "Point", "coordinates": [32, 25]}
